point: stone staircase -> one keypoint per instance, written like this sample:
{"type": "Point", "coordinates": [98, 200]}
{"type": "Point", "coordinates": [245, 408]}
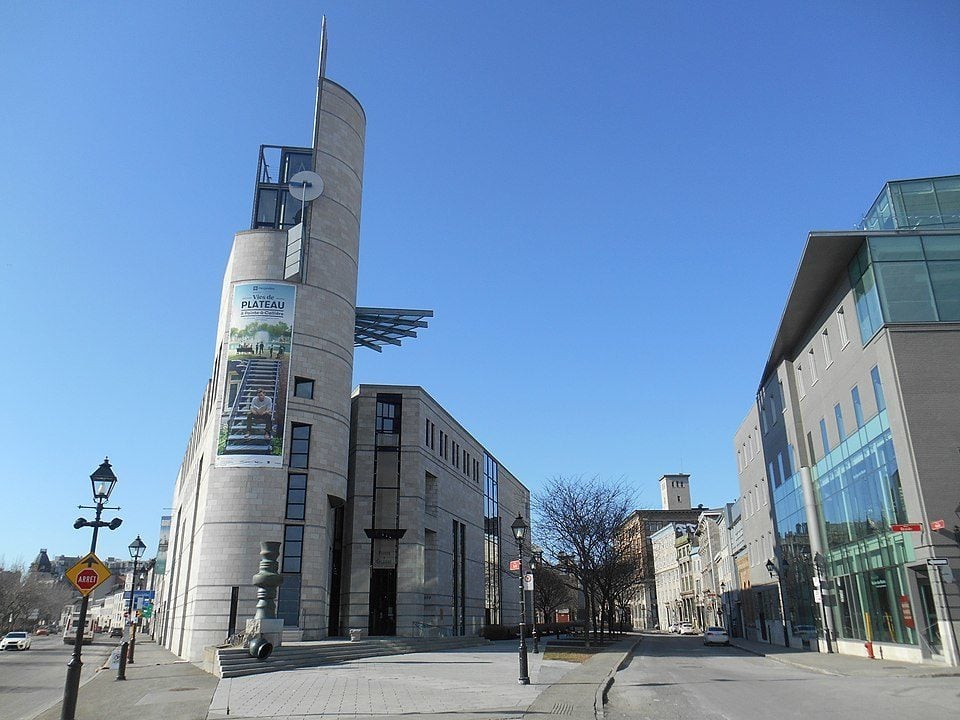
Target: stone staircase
{"type": "Point", "coordinates": [236, 662]}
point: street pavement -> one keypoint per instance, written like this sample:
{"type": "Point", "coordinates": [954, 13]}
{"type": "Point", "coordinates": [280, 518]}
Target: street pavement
{"type": "Point", "coordinates": [32, 680]}
{"type": "Point", "coordinates": [159, 686]}
{"type": "Point", "coordinates": [676, 678]}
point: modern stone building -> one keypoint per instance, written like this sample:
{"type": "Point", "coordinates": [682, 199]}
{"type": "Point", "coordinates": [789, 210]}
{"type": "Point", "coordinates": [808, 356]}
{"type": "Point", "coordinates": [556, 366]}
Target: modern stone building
{"type": "Point", "coordinates": [427, 542]}
{"type": "Point", "coordinates": [852, 444]}
{"type": "Point", "coordinates": [279, 451]}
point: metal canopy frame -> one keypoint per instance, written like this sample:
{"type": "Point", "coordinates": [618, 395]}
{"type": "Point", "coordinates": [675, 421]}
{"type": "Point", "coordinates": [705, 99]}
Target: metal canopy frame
{"type": "Point", "coordinates": [376, 327]}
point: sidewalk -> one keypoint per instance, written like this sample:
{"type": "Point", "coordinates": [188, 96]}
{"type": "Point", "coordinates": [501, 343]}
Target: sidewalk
{"type": "Point", "coordinates": [159, 686]}
{"type": "Point", "coordinates": [477, 683]}
{"type": "Point", "coordinates": [467, 684]}
{"type": "Point", "coordinates": [844, 665]}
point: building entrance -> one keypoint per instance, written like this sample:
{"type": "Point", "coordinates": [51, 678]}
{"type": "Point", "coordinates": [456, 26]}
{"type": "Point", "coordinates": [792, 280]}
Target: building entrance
{"type": "Point", "coordinates": [383, 602]}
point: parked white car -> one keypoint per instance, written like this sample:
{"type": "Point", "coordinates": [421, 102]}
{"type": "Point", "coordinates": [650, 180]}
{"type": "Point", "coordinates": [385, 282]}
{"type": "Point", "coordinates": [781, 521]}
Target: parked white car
{"type": "Point", "coordinates": [687, 629]}
{"type": "Point", "coordinates": [715, 636]}
{"type": "Point", "coordinates": [15, 640]}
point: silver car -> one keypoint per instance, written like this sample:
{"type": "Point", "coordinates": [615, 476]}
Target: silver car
{"type": "Point", "coordinates": [15, 640]}
{"type": "Point", "coordinates": [715, 636]}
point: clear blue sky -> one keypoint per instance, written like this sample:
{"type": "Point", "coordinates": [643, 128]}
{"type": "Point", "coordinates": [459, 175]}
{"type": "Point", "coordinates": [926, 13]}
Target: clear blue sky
{"type": "Point", "coordinates": [604, 204]}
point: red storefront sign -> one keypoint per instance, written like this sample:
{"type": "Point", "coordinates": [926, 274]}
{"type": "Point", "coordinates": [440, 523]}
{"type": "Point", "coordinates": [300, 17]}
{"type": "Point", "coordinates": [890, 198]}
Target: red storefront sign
{"type": "Point", "coordinates": [905, 611]}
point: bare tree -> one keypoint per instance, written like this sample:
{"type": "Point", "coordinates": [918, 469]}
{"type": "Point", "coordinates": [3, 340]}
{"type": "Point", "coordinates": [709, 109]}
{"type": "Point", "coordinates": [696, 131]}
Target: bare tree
{"type": "Point", "coordinates": [550, 592]}
{"type": "Point", "coordinates": [578, 522]}
{"type": "Point", "coordinates": [27, 598]}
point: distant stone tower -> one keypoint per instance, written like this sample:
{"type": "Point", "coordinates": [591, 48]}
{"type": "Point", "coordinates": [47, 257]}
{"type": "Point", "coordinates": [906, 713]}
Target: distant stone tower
{"type": "Point", "coordinates": [675, 492]}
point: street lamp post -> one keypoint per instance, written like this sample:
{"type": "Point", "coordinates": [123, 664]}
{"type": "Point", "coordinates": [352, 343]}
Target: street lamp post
{"type": "Point", "coordinates": [519, 528]}
{"type": "Point", "coordinates": [536, 562]}
{"type": "Point", "coordinates": [778, 574]}
{"type": "Point", "coordinates": [103, 481]}
{"type": "Point", "coordinates": [136, 552]}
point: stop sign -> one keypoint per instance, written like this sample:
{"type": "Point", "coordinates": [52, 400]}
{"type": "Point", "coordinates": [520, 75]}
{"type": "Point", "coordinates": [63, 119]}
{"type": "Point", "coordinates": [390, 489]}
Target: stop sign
{"type": "Point", "coordinates": [87, 579]}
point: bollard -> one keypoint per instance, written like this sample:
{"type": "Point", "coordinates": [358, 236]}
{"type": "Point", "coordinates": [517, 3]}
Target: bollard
{"type": "Point", "coordinates": [122, 670]}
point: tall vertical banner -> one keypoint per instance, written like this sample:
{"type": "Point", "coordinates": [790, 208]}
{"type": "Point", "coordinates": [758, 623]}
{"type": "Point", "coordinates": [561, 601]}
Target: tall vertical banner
{"type": "Point", "coordinates": [257, 375]}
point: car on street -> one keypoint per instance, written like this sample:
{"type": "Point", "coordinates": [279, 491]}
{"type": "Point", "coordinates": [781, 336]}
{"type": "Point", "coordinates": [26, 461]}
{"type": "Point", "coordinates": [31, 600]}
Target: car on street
{"type": "Point", "coordinates": [116, 632]}
{"type": "Point", "coordinates": [687, 629]}
{"type": "Point", "coordinates": [674, 627]}
{"type": "Point", "coordinates": [16, 640]}
{"type": "Point", "coordinates": [41, 631]}
{"type": "Point", "coordinates": [715, 636]}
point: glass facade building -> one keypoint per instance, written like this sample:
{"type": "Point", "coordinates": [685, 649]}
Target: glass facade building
{"type": "Point", "coordinates": [908, 204]}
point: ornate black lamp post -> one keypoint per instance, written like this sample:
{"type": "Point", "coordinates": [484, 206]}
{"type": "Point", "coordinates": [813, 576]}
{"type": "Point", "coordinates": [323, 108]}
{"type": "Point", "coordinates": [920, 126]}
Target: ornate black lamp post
{"type": "Point", "coordinates": [103, 481]}
{"type": "Point", "coordinates": [136, 552]}
{"type": "Point", "coordinates": [519, 528]}
{"type": "Point", "coordinates": [777, 573]}
{"type": "Point", "coordinates": [536, 562]}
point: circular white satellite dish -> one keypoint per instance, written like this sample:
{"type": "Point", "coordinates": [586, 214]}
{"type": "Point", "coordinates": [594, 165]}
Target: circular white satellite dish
{"type": "Point", "coordinates": [306, 186]}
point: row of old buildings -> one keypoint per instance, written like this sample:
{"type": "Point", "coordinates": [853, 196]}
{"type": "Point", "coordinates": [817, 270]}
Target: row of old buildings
{"type": "Point", "coordinates": [845, 535]}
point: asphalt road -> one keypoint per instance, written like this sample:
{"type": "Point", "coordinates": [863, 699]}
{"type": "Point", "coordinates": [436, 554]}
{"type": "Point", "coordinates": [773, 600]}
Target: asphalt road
{"type": "Point", "coordinates": [32, 680]}
{"type": "Point", "coordinates": [677, 678]}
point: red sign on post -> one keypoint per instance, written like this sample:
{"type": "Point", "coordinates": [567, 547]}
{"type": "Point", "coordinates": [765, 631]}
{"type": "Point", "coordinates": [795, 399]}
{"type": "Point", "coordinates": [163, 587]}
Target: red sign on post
{"type": "Point", "coordinates": [937, 525]}
{"type": "Point", "coordinates": [514, 564]}
{"type": "Point", "coordinates": [88, 579]}
{"type": "Point", "coordinates": [905, 611]}
{"type": "Point", "coordinates": [907, 527]}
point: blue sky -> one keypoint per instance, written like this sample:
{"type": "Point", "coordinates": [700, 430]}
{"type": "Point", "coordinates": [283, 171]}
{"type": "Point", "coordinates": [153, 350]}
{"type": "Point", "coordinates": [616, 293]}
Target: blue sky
{"type": "Point", "coordinates": [604, 204]}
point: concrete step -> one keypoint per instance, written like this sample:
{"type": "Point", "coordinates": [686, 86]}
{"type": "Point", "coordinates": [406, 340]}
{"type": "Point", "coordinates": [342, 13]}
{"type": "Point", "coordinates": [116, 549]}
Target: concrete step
{"type": "Point", "coordinates": [236, 662]}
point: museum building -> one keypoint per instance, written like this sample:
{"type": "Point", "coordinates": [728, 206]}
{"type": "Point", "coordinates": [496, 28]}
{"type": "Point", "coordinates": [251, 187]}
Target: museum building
{"type": "Point", "coordinates": [388, 510]}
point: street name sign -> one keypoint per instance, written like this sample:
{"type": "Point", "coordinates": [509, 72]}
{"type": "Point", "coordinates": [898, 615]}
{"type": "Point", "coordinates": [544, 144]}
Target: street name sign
{"type": "Point", "coordinates": [514, 564]}
{"type": "Point", "coordinates": [88, 574]}
{"type": "Point", "coordinates": [937, 525]}
{"type": "Point", "coordinates": [937, 561]}
{"type": "Point", "coordinates": [907, 527]}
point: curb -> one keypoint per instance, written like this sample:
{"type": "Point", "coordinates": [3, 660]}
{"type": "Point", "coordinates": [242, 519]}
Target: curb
{"type": "Point", "coordinates": [600, 695]}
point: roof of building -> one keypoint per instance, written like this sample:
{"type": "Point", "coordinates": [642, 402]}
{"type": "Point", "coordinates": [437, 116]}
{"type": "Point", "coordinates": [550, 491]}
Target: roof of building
{"type": "Point", "coordinates": [824, 261]}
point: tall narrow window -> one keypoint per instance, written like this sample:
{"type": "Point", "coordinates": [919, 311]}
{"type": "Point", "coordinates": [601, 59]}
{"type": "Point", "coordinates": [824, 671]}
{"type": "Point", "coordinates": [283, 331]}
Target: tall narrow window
{"type": "Point", "coordinates": [857, 407]}
{"type": "Point", "coordinates": [823, 436]}
{"type": "Point", "coordinates": [838, 414]}
{"type": "Point", "coordinates": [288, 597]}
{"type": "Point", "coordinates": [878, 389]}
{"type": "Point", "coordinates": [801, 387]}
{"type": "Point", "coordinates": [783, 475]}
{"type": "Point", "coordinates": [296, 496]}
{"type": "Point", "coordinates": [812, 364]}
{"type": "Point", "coordinates": [299, 445]}
{"type": "Point", "coordinates": [810, 449]}
{"type": "Point", "coordinates": [825, 342]}
{"type": "Point", "coordinates": [842, 328]}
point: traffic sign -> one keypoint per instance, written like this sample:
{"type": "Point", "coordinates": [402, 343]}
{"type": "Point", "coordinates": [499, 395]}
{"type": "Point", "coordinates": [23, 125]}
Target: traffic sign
{"type": "Point", "coordinates": [514, 564]}
{"type": "Point", "coordinates": [937, 561]}
{"type": "Point", "coordinates": [147, 611]}
{"type": "Point", "coordinates": [528, 581]}
{"type": "Point", "coordinates": [937, 525]}
{"type": "Point", "coordinates": [907, 527]}
{"type": "Point", "coordinates": [88, 574]}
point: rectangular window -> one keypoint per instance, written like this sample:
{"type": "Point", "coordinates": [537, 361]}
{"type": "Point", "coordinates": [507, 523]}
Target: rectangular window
{"type": "Point", "coordinates": [303, 388]}
{"type": "Point", "coordinates": [838, 414]}
{"type": "Point", "coordinates": [783, 475]}
{"type": "Point", "coordinates": [456, 454]}
{"type": "Point", "coordinates": [823, 436]}
{"type": "Point", "coordinates": [299, 445]}
{"type": "Point", "coordinates": [771, 474]}
{"type": "Point", "coordinates": [296, 496]}
{"type": "Point", "coordinates": [857, 407]}
{"type": "Point", "coordinates": [292, 548]}
{"type": "Point", "coordinates": [825, 342]}
{"type": "Point", "coordinates": [842, 328]}
{"type": "Point", "coordinates": [801, 387]}
{"type": "Point", "coordinates": [813, 454]}
{"type": "Point", "coordinates": [443, 444]}
{"type": "Point", "coordinates": [812, 364]}
{"type": "Point", "coordinates": [388, 414]}
{"type": "Point", "coordinates": [878, 389]}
